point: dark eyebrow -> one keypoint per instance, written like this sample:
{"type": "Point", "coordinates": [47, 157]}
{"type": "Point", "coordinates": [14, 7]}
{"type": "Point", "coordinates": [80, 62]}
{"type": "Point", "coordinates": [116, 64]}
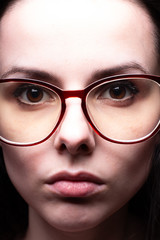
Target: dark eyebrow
{"type": "Point", "coordinates": [46, 76]}
{"type": "Point", "coordinates": [32, 74]}
{"type": "Point", "coordinates": [129, 68]}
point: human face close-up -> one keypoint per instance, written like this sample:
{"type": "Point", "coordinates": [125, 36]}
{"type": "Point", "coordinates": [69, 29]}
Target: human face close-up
{"type": "Point", "coordinates": [76, 180]}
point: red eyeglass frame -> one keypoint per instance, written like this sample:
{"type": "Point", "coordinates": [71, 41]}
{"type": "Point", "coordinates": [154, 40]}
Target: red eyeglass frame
{"type": "Point", "coordinates": [82, 94]}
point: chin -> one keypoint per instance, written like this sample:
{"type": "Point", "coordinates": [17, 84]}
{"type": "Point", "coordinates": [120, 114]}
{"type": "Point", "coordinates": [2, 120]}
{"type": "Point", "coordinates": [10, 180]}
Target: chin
{"type": "Point", "coordinates": [75, 221]}
{"type": "Point", "coordinates": [75, 226]}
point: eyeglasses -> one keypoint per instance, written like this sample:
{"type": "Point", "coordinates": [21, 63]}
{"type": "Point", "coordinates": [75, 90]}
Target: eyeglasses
{"type": "Point", "coordinates": [121, 109]}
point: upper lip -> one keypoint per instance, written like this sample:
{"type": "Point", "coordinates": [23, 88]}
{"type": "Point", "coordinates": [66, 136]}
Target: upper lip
{"type": "Point", "coordinates": [80, 176]}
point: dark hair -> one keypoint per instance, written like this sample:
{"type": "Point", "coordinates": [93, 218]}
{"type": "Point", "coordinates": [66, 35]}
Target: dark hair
{"type": "Point", "coordinates": [13, 209]}
{"type": "Point", "coordinates": [145, 204]}
{"type": "Point", "coordinates": [153, 7]}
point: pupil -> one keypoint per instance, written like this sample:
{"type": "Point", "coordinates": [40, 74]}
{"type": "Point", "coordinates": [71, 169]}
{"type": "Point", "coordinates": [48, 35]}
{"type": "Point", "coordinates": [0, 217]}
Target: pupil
{"type": "Point", "coordinates": [118, 92]}
{"type": "Point", "coordinates": [34, 95]}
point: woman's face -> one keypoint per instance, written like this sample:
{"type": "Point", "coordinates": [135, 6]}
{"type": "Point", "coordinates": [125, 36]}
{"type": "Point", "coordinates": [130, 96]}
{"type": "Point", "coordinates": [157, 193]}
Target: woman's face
{"type": "Point", "coordinates": [76, 180]}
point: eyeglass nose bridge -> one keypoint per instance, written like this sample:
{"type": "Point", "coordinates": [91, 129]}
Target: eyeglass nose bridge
{"type": "Point", "coordinates": [73, 94]}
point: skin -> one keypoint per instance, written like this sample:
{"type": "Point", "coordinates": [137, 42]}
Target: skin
{"type": "Point", "coordinates": [72, 43]}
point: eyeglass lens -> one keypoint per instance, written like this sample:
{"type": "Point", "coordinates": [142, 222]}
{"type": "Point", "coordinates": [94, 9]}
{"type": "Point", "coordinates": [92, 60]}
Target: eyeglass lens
{"type": "Point", "coordinates": [125, 110]}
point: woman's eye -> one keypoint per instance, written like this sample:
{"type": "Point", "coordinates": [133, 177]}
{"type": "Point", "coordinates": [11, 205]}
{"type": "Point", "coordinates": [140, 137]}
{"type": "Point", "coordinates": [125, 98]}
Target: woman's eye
{"type": "Point", "coordinates": [118, 92]}
{"type": "Point", "coordinates": [32, 95]}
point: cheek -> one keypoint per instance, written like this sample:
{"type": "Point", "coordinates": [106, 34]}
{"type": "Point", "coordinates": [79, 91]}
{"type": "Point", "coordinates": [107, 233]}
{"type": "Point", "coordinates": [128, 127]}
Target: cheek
{"type": "Point", "coordinates": [21, 169]}
{"type": "Point", "coordinates": [128, 166]}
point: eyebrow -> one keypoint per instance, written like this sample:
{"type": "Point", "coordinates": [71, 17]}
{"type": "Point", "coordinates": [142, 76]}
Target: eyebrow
{"type": "Point", "coordinates": [121, 69]}
{"type": "Point", "coordinates": [31, 74]}
{"type": "Point", "coordinates": [46, 76]}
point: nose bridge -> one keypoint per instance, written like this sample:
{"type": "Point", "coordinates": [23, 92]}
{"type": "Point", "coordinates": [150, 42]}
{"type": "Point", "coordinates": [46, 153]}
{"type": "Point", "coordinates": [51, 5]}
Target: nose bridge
{"type": "Point", "coordinates": [74, 111]}
{"type": "Point", "coordinates": [74, 104]}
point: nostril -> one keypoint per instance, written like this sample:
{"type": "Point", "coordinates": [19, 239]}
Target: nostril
{"type": "Point", "coordinates": [83, 148]}
{"type": "Point", "coordinates": [63, 147]}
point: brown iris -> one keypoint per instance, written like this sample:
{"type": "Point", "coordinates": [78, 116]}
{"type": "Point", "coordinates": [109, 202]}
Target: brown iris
{"type": "Point", "coordinates": [34, 95]}
{"type": "Point", "coordinates": [118, 92]}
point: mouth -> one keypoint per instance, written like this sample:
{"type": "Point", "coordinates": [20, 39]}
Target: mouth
{"type": "Point", "coordinates": [75, 185]}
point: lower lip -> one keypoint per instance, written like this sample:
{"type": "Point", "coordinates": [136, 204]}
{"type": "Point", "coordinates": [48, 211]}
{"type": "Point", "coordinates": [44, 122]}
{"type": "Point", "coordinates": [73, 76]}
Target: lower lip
{"type": "Point", "coordinates": [75, 188]}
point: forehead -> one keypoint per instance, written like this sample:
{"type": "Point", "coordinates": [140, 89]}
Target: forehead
{"type": "Point", "coordinates": [37, 14]}
{"type": "Point", "coordinates": [76, 30]}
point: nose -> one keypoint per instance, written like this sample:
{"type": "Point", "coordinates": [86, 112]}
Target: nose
{"type": "Point", "coordinates": [74, 134]}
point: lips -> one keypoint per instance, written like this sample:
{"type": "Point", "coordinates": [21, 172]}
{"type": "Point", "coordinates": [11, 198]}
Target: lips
{"type": "Point", "coordinates": [81, 184]}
